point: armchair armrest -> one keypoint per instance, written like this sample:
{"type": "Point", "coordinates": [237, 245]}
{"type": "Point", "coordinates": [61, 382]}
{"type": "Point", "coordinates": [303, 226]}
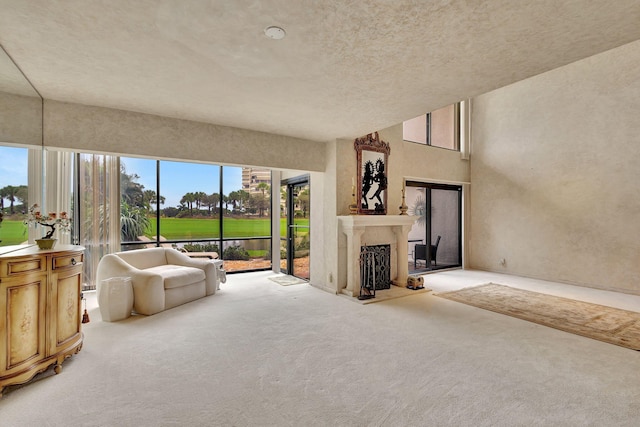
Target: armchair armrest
{"type": "Point", "coordinates": [178, 258]}
{"type": "Point", "coordinates": [113, 266]}
{"type": "Point", "coordinates": [148, 292]}
{"type": "Point", "coordinates": [148, 288]}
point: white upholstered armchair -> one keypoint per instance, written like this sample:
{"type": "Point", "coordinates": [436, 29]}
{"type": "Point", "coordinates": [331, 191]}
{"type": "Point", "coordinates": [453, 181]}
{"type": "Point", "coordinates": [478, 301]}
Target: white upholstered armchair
{"type": "Point", "coordinates": [162, 278]}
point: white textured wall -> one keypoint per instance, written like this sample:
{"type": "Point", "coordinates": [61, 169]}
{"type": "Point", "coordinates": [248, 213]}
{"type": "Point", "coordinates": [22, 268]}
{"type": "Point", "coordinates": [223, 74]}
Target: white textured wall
{"type": "Point", "coordinates": [555, 176]}
{"type": "Point", "coordinates": [20, 119]}
{"type": "Point", "coordinates": [324, 251]}
{"type": "Point", "coordinates": [86, 128]}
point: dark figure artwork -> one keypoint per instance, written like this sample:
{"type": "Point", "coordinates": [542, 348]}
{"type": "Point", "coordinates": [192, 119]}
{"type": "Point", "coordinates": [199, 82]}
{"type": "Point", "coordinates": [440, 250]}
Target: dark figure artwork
{"type": "Point", "coordinates": [367, 181]}
{"type": "Point", "coordinates": [372, 156]}
{"type": "Point", "coordinates": [381, 179]}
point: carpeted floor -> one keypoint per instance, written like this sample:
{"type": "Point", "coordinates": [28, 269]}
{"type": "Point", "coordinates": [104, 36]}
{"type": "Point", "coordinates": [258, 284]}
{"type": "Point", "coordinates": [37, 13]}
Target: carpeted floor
{"type": "Point", "coordinates": [608, 324]}
{"type": "Point", "coordinates": [261, 354]}
{"type": "Point", "coordinates": [386, 294]}
{"type": "Point", "coordinates": [286, 280]}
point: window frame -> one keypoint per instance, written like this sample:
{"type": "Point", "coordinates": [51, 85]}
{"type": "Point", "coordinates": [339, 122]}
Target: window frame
{"type": "Point", "coordinates": [220, 240]}
{"type": "Point", "coordinates": [428, 130]}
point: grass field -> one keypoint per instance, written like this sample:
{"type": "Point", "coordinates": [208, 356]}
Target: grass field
{"type": "Point", "coordinates": [14, 232]}
{"type": "Point", "coordinates": [191, 228]}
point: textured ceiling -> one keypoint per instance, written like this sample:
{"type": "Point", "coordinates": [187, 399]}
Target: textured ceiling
{"type": "Point", "coordinates": [345, 68]}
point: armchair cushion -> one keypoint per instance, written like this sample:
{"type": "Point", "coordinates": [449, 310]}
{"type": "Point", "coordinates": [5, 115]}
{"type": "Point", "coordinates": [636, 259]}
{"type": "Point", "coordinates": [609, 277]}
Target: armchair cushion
{"type": "Point", "coordinates": [176, 276]}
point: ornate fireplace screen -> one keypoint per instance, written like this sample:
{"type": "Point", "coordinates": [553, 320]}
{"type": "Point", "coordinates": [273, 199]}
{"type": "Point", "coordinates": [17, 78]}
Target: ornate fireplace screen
{"type": "Point", "coordinates": [375, 270]}
{"type": "Point", "coordinates": [373, 155]}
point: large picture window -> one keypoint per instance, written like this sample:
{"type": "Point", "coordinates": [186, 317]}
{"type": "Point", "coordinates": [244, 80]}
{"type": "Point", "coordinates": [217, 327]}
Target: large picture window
{"type": "Point", "coordinates": [207, 211]}
{"type": "Point", "coordinates": [246, 217]}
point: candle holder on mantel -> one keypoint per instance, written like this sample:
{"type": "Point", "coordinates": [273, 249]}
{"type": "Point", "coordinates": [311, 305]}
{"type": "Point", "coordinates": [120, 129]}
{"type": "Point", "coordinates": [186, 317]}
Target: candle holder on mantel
{"type": "Point", "coordinates": [403, 207]}
{"type": "Point", "coordinates": [353, 207]}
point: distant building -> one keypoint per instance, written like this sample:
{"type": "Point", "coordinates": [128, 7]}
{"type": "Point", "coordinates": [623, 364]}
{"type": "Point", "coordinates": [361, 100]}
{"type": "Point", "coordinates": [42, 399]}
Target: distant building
{"type": "Point", "coordinates": [252, 177]}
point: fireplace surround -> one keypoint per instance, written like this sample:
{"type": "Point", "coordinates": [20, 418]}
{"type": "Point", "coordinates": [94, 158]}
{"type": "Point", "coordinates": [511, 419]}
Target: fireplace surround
{"type": "Point", "coordinates": [367, 230]}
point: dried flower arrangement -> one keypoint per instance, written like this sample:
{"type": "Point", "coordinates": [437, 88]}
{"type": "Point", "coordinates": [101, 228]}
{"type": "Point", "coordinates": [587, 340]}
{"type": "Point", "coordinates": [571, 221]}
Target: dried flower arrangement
{"type": "Point", "coordinates": [51, 220]}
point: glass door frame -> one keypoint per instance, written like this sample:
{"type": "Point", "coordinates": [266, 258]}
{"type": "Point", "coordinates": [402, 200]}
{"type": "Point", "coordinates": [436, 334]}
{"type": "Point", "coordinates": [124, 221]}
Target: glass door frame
{"type": "Point", "coordinates": [428, 229]}
{"type": "Point", "coordinates": [290, 184]}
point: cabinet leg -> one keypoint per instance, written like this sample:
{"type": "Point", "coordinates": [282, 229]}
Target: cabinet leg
{"type": "Point", "coordinates": [58, 368]}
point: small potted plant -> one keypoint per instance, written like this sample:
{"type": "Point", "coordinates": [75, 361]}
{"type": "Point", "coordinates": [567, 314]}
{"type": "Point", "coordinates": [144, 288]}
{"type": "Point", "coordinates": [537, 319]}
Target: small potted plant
{"type": "Point", "coordinates": [51, 221]}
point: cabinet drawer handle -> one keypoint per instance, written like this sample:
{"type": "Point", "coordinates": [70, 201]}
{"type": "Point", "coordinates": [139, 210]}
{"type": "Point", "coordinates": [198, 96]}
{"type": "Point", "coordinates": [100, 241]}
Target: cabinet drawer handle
{"type": "Point", "coordinates": [73, 261]}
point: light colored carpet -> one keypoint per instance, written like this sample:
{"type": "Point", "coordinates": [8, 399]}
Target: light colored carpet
{"type": "Point", "coordinates": [386, 294]}
{"type": "Point", "coordinates": [260, 354]}
{"type": "Point", "coordinates": [286, 280]}
{"type": "Point", "coordinates": [608, 324]}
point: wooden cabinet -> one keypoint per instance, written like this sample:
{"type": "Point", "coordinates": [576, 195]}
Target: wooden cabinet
{"type": "Point", "coordinates": [40, 310]}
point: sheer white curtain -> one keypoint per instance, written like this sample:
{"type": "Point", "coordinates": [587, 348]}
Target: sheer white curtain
{"type": "Point", "coordinates": [95, 210]}
{"type": "Point", "coordinates": [58, 185]}
{"type": "Point", "coordinates": [98, 209]}
{"type": "Point", "coordinates": [34, 187]}
{"type": "Point", "coordinates": [50, 186]}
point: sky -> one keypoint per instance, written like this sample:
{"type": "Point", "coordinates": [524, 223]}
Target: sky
{"type": "Point", "coordinates": [13, 166]}
{"type": "Point", "coordinates": [177, 178]}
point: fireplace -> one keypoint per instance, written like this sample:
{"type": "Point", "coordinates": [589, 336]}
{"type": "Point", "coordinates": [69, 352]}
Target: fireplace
{"type": "Point", "coordinates": [373, 230]}
{"type": "Point", "coordinates": [375, 267]}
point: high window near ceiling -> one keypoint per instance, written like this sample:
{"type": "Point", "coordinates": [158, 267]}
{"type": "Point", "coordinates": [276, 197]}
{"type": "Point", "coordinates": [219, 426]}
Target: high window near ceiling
{"type": "Point", "coordinates": [439, 128]}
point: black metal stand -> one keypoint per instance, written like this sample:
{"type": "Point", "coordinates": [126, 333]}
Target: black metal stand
{"type": "Point", "coordinates": [367, 269]}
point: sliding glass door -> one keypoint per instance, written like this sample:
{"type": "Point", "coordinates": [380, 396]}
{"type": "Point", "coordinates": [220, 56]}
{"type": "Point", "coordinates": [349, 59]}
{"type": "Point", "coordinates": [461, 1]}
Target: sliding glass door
{"type": "Point", "coordinates": [295, 196]}
{"type": "Point", "coordinates": [435, 240]}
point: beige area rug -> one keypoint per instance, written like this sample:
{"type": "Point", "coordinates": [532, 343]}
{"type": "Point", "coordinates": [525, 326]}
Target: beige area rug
{"type": "Point", "coordinates": [608, 324]}
{"type": "Point", "coordinates": [286, 280]}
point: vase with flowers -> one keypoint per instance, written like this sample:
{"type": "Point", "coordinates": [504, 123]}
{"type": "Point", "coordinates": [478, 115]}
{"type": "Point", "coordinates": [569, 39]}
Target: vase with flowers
{"type": "Point", "coordinates": [50, 221]}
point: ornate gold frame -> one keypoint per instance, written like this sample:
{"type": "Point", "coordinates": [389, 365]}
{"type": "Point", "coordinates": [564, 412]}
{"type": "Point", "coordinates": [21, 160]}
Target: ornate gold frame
{"type": "Point", "coordinates": [372, 153]}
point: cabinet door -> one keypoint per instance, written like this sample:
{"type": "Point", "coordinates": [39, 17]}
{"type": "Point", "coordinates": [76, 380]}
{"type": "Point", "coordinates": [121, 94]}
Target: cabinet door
{"type": "Point", "coordinates": [65, 315]}
{"type": "Point", "coordinates": [22, 322]}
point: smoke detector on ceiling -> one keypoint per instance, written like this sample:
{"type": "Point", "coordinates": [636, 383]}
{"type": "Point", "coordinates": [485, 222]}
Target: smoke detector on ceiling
{"type": "Point", "coordinates": [274, 32]}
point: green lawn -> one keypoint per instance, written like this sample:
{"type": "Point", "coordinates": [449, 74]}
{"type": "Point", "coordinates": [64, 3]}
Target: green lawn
{"type": "Point", "coordinates": [13, 232]}
{"type": "Point", "coordinates": [191, 228]}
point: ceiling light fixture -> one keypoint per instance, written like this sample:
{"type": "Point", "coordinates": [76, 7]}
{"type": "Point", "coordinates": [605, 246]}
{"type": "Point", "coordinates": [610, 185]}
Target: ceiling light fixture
{"type": "Point", "coordinates": [274, 32]}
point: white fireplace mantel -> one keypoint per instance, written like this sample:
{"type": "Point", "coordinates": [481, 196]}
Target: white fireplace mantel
{"type": "Point", "coordinates": [354, 226]}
